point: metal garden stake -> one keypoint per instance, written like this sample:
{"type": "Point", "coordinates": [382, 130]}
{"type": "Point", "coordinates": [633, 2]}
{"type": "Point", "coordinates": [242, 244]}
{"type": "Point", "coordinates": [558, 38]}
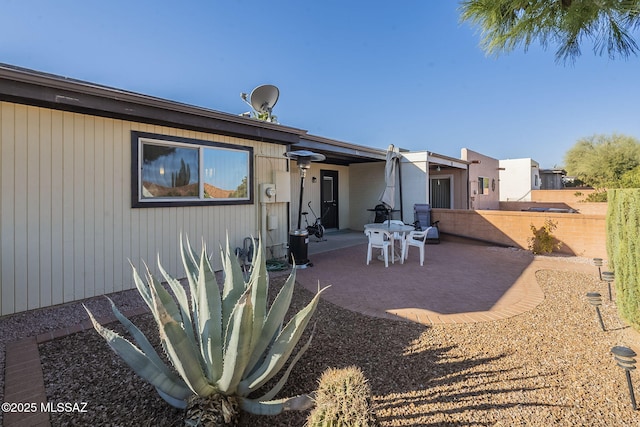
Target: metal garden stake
{"type": "Point", "coordinates": [608, 277]}
{"type": "Point", "coordinates": [598, 263]}
{"type": "Point", "coordinates": [624, 357]}
{"type": "Point", "coordinates": [595, 299]}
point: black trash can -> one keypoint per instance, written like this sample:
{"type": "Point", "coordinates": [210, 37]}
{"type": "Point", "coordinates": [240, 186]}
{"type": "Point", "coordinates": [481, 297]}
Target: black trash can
{"type": "Point", "coordinates": [298, 247]}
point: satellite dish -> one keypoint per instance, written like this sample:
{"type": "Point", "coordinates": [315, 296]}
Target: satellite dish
{"type": "Point", "coordinates": [264, 98]}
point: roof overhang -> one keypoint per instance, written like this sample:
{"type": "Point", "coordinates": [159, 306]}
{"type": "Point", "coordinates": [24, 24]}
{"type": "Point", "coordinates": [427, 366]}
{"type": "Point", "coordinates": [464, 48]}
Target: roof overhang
{"type": "Point", "coordinates": [338, 152]}
{"type": "Point", "coordinates": [35, 88]}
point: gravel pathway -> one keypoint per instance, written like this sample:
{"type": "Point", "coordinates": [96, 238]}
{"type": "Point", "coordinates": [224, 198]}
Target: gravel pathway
{"type": "Point", "coordinates": [550, 366]}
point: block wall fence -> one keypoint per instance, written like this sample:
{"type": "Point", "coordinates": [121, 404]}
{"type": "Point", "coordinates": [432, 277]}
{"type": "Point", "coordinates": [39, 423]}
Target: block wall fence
{"type": "Point", "coordinates": [581, 234]}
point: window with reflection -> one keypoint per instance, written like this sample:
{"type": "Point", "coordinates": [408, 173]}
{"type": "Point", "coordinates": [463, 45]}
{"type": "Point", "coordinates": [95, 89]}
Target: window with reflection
{"type": "Point", "coordinates": [225, 174]}
{"type": "Point", "coordinates": [172, 171]}
{"type": "Point", "coordinates": [169, 171]}
{"type": "Point", "coordinates": [483, 185]}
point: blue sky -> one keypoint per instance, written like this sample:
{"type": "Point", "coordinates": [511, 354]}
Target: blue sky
{"type": "Point", "coordinates": [369, 73]}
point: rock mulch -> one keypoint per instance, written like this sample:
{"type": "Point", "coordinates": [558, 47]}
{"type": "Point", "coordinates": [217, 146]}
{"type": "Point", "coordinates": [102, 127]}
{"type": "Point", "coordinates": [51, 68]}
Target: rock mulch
{"type": "Point", "coordinates": [550, 366]}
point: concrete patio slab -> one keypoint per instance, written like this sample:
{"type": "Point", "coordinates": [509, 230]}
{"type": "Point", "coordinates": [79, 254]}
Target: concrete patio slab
{"type": "Point", "coordinates": [459, 282]}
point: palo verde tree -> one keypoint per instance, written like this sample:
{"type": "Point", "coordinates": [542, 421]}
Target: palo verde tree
{"type": "Point", "coordinates": [507, 24]}
{"type": "Point", "coordinates": [603, 161]}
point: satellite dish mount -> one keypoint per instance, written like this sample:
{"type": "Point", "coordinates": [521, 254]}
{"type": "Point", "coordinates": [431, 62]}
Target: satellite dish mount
{"type": "Point", "coordinates": [262, 100]}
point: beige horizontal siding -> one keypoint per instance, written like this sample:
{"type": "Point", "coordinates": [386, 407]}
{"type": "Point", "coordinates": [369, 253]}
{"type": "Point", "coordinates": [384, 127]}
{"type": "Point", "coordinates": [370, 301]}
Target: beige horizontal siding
{"type": "Point", "coordinates": [67, 229]}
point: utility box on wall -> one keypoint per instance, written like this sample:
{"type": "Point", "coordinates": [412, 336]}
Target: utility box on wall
{"type": "Point", "coordinates": [283, 184]}
{"type": "Point", "coordinates": [272, 222]}
{"type": "Point", "coordinates": [267, 193]}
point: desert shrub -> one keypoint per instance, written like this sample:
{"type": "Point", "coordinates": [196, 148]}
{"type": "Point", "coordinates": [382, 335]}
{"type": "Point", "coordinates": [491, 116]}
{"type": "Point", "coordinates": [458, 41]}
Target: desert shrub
{"type": "Point", "coordinates": [543, 241]}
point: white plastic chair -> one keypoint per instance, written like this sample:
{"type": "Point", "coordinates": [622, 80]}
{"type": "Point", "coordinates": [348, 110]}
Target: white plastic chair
{"type": "Point", "coordinates": [396, 235]}
{"type": "Point", "coordinates": [381, 240]}
{"type": "Point", "coordinates": [417, 239]}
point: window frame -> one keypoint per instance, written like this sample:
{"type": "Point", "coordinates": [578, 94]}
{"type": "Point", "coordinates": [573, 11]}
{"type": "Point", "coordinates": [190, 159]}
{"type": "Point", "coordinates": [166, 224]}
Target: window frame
{"type": "Point", "coordinates": [140, 138]}
{"type": "Point", "coordinates": [481, 186]}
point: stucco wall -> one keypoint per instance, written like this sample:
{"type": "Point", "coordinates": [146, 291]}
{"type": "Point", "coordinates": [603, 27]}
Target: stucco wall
{"type": "Point", "coordinates": [486, 167]}
{"type": "Point", "coordinates": [581, 235]}
{"type": "Point", "coordinates": [584, 208]}
{"type": "Point", "coordinates": [67, 229]}
{"type": "Point", "coordinates": [567, 195]}
{"type": "Point", "coordinates": [517, 179]}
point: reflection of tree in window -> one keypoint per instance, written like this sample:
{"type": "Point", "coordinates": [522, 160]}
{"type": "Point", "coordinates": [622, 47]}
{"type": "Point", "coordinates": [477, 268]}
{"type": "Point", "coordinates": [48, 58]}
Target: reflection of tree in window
{"type": "Point", "coordinates": [241, 191]}
{"type": "Point", "coordinates": [169, 171]}
{"type": "Point", "coordinates": [225, 173]}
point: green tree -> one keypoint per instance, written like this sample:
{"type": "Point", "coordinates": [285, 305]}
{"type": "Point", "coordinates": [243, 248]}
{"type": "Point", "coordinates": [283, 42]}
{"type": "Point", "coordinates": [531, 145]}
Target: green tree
{"type": "Point", "coordinates": [506, 24]}
{"type": "Point", "coordinates": [605, 161]}
{"type": "Point", "coordinates": [241, 191]}
{"type": "Point", "coordinates": [631, 179]}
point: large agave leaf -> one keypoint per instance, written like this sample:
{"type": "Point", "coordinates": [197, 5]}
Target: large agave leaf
{"type": "Point", "coordinates": [189, 261]}
{"type": "Point", "coordinates": [281, 349]}
{"type": "Point", "coordinates": [237, 345]}
{"type": "Point", "coordinates": [259, 284]}
{"type": "Point", "coordinates": [184, 357]}
{"type": "Point", "coordinates": [141, 364]}
{"type": "Point", "coordinates": [274, 407]}
{"type": "Point", "coordinates": [183, 302]}
{"type": "Point", "coordinates": [189, 257]}
{"type": "Point", "coordinates": [144, 344]}
{"type": "Point", "coordinates": [143, 288]}
{"type": "Point", "coordinates": [234, 285]}
{"type": "Point", "coordinates": [164, 297]}
{"type": "Point", "coordinates": [273, 322]}
{"type": "Point", "coordinates": [209, 318]}
{"type": "Point", "coordinates": [283, 380]}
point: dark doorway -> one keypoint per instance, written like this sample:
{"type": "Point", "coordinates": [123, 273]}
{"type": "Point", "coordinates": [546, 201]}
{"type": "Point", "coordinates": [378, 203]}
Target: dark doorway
{"type": "Point", "coordinates": [329, 198]}
{"type": "Point", "coordinates": [440, 193]}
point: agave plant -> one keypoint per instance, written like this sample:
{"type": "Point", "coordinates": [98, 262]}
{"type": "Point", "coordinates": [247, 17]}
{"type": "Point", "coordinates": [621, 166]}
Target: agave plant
{"type": "Point", "coordinates": [224, 346]}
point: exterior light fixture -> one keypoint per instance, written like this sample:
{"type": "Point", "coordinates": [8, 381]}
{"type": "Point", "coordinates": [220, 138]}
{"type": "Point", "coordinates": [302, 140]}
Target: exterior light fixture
{"type": "Point", "coordinates": [299, 238]}
{"type": "Point", "coordinates": [598, 263]}
{"type": "Point", "coordinates": [608, 277]}
{"type": "Point", "coordinates": [624, 357]}
{"type": "Point", "coordinates": [595, 299]}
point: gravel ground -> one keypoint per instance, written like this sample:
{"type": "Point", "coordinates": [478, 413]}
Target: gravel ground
{"type": "Point", "coordinates": [550, 366]}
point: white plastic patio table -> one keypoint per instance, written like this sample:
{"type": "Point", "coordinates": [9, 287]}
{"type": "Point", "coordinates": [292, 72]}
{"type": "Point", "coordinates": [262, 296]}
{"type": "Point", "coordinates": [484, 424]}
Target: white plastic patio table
{"type": "Point", "coordinates": [392, 228]}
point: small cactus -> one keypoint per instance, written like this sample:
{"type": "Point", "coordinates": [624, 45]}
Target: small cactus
{"type": "Point", "coordinates": [343, 398]}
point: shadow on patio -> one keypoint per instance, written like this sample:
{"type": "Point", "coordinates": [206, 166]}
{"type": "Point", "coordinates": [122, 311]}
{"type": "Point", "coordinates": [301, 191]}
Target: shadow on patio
{"type": "Point", "coordinates": [459, 283]}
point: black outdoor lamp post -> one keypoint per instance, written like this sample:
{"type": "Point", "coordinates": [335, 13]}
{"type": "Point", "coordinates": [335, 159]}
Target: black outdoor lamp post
{"type": "Point", "coordinates": [299, 238]}
{"type": "Point", "coordinates": [598, 263]}
{"type": "Point", "coordinates": [595, 299]}
{"type": "Point", "coordinates": [624, 357]}
{"type": "Point", "coordinates": [608, 277]}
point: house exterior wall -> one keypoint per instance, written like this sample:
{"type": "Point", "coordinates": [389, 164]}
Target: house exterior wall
{"type": "Point", "coordinates": [459, 199]}
{"type": "Point", "coordinates": [365, 187]}
{"type": "Point", "coordinates": [551, 179]}
{"type": "Point", "coordinates": [518, 177]}
{"type": "Point", "coordinates": [485, 167]}
{"type": "Point", "coordinates": [417, 169]}
{"type": "Point", "coordinates": [415, 182]}
{"type": "Point", "coordinates": [312, 193]}
{"type": "Point", "coordinates": [67, 229]}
